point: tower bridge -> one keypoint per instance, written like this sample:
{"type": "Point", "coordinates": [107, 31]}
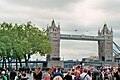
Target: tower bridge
{"type": "Point", "coordinates": [104, 38]}
{"type": "Point", "coordinates": [81, 37]}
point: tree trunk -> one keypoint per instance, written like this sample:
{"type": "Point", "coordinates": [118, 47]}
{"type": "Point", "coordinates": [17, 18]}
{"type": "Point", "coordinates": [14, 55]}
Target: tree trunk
{"type": "Point", "coordinates": [20, 62]}
{"type": "Point", "coordinates": [8, 63]}
{"type": "Point", "coordinates": [26, 62]}
{"type": "Point", "coordinates": [16, 64]}
{"type": "Point", "coordinates": [3, 62]}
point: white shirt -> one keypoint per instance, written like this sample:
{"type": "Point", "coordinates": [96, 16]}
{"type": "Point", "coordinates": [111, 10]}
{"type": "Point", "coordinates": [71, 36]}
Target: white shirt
{"type": "Point", "coordinates": [87, 76]}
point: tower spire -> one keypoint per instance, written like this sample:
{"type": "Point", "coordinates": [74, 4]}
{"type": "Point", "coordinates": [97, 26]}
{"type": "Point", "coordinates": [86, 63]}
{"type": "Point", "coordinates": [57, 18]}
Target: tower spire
{"type": "Point", "coordinates": [105, 29]}
{"type": "Point", "coordinates": [99, 31]}
{"type": "Point", "coordinates": [53, 24]}
{"type": "Point", "coordinates": [59, 25]}
{"type": "Point", "coordinates": [111, 30]}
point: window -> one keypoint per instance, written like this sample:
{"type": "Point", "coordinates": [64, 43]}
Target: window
{"type": "Point", "coordinates": [103, 58]}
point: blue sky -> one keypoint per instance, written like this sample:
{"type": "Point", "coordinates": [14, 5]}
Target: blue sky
{"type": "Point", "coordinates": [87, 16]}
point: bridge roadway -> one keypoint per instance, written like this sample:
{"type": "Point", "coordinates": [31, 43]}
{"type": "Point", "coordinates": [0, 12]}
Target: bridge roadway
{"type": "Point", "coordinates": [81, 37]}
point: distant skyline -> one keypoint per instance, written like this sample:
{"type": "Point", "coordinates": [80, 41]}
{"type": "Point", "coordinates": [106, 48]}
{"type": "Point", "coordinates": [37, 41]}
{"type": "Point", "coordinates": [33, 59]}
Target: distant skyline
{"type": "Point", "coordinates": [85, 16]}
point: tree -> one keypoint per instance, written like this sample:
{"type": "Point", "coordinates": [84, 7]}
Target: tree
{"type": "Point", "coordinates": [35, 41]}
{"type": "Point", "coordinates": [22, 41]}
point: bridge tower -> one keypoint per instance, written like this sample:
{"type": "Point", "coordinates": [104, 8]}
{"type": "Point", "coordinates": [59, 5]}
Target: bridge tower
{"type": "Point", "coordinates": [105, 47]}
{"type": "Point", "coordinates": [54, 33]}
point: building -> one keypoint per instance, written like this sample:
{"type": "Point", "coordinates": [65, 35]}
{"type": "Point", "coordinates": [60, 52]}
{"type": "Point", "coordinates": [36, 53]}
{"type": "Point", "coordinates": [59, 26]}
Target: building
{"type": "Point", "coordinates": [105, 47]}
{"type": "Point", "coordinates": [54, 33]}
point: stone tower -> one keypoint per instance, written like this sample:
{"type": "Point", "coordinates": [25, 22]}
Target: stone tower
{"type": "Point", "coordinates": [54, 33]}
{"type": "Point", "coordinates": [105, 47]}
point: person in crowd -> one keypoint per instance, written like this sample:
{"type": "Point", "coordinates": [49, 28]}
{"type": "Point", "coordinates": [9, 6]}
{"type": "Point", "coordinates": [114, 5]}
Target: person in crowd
{"type": "Point", "coordinates": [37, 74]}
{"type": "Point", "coordinates": [1, 77]}
{"type": "Point", "coordinates": [13, 74]}
{"type": "Point", "coordinates": [46, 75]}
{"type": "Point", "coordinates": [57, 78]}
{"type": "Point", "coordinates": [30, 71]}
{"type": "Point", "coordinates": [4, 76]}
{"type": "Point", "coordinates": [57, 73]}
{"type": "Point", "coordinates": [51, 73]}
{"type": "Point", "coordinates": [24, 77]}
{"type": "Point", "coordinates": [117, 74]}
{"type": "Point", "coordinates": [68, 76]}
{"type": "Point", "coordinates": [85, 76]}
{"type": "Point", "coordinates": [77, 73]}
{"type": "Point", "coordinates": [106, 75]}
{"type": "Point", "coordinates": [95, 74]}
{"type": "Point", "coordinates": [102, 74]}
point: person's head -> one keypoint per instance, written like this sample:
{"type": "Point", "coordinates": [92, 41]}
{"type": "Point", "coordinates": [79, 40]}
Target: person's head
{"type": "Point", "coordinates": [76, 72]}
{"type": "Point", "coordinates": [24, 74]}
{"type": "Point", "coordinates": [39, 68]}
{"type": "Point", "coordinates": [119, 69]}
{"type": "Point", "coordinates": [68, 73]}
{"type": "Point", "coordinates": [85, 70]}
{"type": "Point", "coordinates": [3, 72]}
{"type": "Point", "coordinates": [47, 69]}
{"type": "Point", "coordinates": [78, 66]}
{"type": "Point", "coordinates": [57, 78]}
{"type": "Point", "coordinates": [37, 71]}
{"type": "Point", "coordinates": [58, 69]}
{"type": "Point", "coordinates": [50, 71]}
{"type": "Point", "coordinates": [13, 69]}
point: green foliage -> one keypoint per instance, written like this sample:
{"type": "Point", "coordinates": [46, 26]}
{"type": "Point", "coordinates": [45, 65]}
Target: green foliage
{"type": "Point", "coordinates": [22, 41]}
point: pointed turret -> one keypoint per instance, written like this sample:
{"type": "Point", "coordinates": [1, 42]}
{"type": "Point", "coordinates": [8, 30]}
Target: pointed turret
{"type": "Point", "coordinates": [58, 25]}
{"type": "Point", "coordinates": [105, 27]}
{"type": "Point", "coordinates": [99, 32]}
{"type": "Point", "coordinates": [53, 24]}
{"type": "Point", "coordinates": [111, 30]}
{"type": "Point", "coordinates": [105, 30]}
{"type": "Point", "coordinates": [47, 30]}
{"type": "Point", "coordinates": [47, 26]}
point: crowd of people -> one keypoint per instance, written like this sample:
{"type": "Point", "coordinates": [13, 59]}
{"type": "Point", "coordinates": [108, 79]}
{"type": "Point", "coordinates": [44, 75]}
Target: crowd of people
{"type": "Point", "coordinates": [57, 73]}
